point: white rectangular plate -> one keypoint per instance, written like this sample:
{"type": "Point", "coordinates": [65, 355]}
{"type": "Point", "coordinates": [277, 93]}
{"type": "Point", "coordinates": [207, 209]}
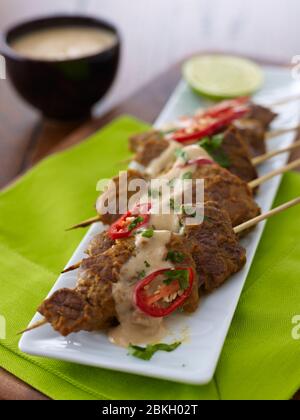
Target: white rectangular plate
{"type": "Point", "coordinates": [203, 333]}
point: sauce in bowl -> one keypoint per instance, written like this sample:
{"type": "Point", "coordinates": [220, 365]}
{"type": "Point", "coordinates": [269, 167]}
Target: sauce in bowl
{"type": "Point", "coordinates": [64, 43]}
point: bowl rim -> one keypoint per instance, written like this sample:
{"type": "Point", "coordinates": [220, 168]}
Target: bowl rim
{"type": "Point", "coordinates": [29, 25]}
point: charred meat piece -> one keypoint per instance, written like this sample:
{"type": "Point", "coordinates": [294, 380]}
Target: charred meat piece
{"type": "Point", "coordinates": [99, 244]}
{"type": "Point", "coordinates": [253, 135]}
{"type": "Point", "coordinates": [263, 115]}
{"type": "Point", "coordinates": [148, 146]}
{"type": "Point", "coordinates": [117, 188]}
{"type": "Point", "coordinates": [178, 244]}
{"type": "Point", "coordinates": [229, 191]}
{"type": "Point", "coordinates": [237, 156]}
{"type": "Point", "coordinates": [215, 248]}
{"type": "Point", "coordinates": [91, 306]}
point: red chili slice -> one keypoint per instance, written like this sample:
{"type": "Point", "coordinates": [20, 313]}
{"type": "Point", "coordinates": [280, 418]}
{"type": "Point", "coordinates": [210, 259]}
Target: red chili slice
{"type": "Point", "coordinates": [209, 126]}
{"type": "Point", "coordinates": [124, 227]}
{"type": "Point", "coordinates": [156, 302]}
{"type": "Point", "coordinates": [224, 106]}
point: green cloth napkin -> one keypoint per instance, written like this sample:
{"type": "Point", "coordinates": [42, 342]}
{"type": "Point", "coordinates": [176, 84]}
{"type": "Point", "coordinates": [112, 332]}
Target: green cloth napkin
{"type": "Point", "coordinates": [260, 359]}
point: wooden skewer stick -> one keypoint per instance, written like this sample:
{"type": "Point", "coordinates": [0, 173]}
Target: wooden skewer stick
{"type": "Point", "coordinates": [261, 159]}
{"type": "Point", "coordinates": [72, 268]}
{"type": "Point", "coordinates": [276, 133]}
{"type": "Point", "coordinates": [34, 326]}
{"type": "Point", "coordinates": [265, 178]}
{"type": "Point", "coordinates": [285, 101]}
{"type": "Point", "coordinates": [266, 216]}
{"type": "Point", "coordinates": [86, 223]}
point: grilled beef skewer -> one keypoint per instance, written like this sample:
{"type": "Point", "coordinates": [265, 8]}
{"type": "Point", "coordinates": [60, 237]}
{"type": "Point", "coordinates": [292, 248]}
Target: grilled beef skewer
{"type": "Point", "coordinates": [251, 131]}
{"type": "Point", "coordinates": [91, 306]}
{"type": "Point", "coordinates": [231, 152]}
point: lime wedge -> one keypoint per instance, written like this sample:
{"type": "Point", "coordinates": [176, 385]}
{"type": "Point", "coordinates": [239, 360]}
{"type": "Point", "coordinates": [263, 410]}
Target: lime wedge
{"type": "Point", "coordinates": [222, 77]}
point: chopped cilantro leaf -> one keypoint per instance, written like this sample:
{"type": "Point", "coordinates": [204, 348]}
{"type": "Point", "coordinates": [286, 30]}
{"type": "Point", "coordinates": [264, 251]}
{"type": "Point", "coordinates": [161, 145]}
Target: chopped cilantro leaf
{"type": "Point", "coordinates": [212, 147]}
{"type": "Point", "coordinates": [148, 233]}
{"type": "Point", "coordinates": [182, 276]}
{"type": "Point", "coordinates": [181, 154]}
{"type": "Point", "coordinates": [146, 353]}
{"type": "Point", "coordinates": [175, 257]}
{"type": "Point", "coordinates": [187, 175]}
{"type": "Point", "coordinates": [138, 220]}
{"type": "Point", "coordinates": [141, 275]}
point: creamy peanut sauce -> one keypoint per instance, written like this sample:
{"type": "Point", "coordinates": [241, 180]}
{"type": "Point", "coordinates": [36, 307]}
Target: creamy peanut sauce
{"type": "Point", "coordinates": [64, 43]}
{"type": "Point", "coordinates": [136, 327]}
{"type": "Point", "coordinates": [167, 158]}
{"type": "Point", "coordinates": [162, 220]}
{"type": "Point", "coordinates": [159, 164]}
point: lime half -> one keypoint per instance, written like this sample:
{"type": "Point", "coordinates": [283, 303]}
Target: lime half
{"type": "Point", "coordinates": [221, 77]}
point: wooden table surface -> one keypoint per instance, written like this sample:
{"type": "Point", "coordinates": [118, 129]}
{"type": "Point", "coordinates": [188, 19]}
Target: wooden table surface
{"type": "Point", "coordinates": [25, 139]}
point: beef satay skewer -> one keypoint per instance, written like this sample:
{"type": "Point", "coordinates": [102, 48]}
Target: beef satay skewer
{"type": "Point", "coordinates": [266, 156]}
{"type": "Point", "coordinates": [253, 184]}
{"type": "Point", "coordinates": [237, 230]}
{"type": "Point", "coordinates": [269, 136]}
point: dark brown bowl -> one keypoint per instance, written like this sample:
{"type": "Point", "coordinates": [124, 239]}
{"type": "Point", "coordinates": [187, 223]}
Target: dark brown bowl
{"type": "Point", "coordinates": [66, 89]}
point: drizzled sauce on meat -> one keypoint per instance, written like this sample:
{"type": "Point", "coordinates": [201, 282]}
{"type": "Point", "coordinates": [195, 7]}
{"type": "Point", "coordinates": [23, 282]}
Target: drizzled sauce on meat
{"type": "Point", "coordinates": [166, 159]}
{"type": "Point", "coordinates": [162, 220]}
{"type": "Point", "coordinates": [136, 327]}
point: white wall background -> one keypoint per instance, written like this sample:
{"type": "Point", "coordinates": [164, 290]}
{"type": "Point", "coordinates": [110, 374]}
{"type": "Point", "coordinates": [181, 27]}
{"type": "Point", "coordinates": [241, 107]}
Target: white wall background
{"type": "Point", "coordinates": [266, 28]}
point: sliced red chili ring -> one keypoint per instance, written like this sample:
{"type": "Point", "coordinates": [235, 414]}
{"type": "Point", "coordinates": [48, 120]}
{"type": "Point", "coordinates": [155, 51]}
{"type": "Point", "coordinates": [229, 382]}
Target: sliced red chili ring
{"type": "Point", "coordinates": [224, 106]}
{"type": "Point", "coordinates": [210, 127]}
{"type": "Point", "coordinates": [167, 295]}
{"type": "Point", "coordinates": [130, 222]}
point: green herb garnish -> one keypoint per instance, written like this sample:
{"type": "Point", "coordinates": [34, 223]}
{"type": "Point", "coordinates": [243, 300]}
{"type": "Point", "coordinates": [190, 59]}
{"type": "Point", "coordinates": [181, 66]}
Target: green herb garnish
{"type": "Point", "coordinates": [175, 257]}
{"type": "Point", "coordinates": [182, 276]}
{"type": "Point", "coordinates": [147, 264]}
{"type": "Point", "coordinates": [146, 353]}
{"type": "Point", "coordinates": [213, 147]}
{"type": "Point", "coordinates": [141, 275]}
{"type": "Point", "coordinates": [137, 221]}
{"type": "Point", "coordinates": [187, 175]}
{"type": "Point", "coordinates": [148, 233]}
{"type": "Point", "coordinates": [181, 154]}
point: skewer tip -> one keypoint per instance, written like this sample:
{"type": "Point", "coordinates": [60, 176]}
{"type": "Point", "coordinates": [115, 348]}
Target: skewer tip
{"type": "Point", "coordinates": [85, 223]}
{"type": "Point", "coordinates": [34, 327]}
{"type": "Point", "coordinates": [72, 268]}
